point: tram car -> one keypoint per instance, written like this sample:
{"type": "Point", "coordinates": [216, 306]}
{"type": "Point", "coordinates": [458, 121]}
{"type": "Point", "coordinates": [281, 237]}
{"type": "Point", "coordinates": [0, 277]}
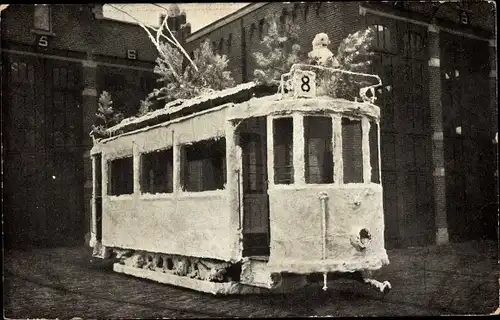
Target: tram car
{"type": "Point", "coordinates": [242, 190]}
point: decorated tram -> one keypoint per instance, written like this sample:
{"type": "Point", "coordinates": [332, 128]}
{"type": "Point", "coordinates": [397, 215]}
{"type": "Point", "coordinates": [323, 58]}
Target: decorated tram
{"type": "Point", "coordinates": [244, 191]}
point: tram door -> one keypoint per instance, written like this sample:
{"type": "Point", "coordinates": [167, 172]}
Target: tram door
{"type": "Point", "coordinates": [254, 183]}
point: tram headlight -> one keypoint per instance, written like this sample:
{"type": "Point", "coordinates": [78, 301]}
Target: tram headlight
{"type": "Point", "coordinates": [361, 239]}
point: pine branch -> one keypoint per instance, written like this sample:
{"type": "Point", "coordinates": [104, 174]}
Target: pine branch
{"type": "Point", "coordinates": [275, 57]}
{"type": "Point", "coordinates": [211, 74]}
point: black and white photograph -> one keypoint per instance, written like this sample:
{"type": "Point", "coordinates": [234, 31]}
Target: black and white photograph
{"type": "Point", "coordinates": [250, 159]}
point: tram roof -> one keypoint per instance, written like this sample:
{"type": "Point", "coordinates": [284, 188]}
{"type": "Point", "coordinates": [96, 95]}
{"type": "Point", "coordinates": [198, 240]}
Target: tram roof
{"type": "Point", "coordinates": [178, 108]}
{"type": "Point", "coordinates": [262, 100]}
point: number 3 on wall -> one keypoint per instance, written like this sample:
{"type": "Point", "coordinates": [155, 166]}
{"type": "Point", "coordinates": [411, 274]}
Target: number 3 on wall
{"type": "Point", "coordinates": [304, 84]}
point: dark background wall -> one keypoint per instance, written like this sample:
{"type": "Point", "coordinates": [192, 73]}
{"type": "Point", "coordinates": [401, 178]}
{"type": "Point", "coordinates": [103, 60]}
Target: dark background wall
{"type": "Point", "coordinates": [49, 100]}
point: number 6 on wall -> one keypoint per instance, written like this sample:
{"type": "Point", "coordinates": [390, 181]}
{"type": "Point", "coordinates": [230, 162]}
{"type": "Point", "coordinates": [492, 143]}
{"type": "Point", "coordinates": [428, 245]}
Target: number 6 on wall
{"type": "Point", "coordinates": [304, 84]}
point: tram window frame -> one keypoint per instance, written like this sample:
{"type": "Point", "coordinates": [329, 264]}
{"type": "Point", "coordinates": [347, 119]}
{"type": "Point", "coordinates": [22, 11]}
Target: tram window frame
{"type": "Point", "coordinates": [157, 171]}
{"type": "Point", "coordinates": [319, 128]}
{"type": "Point", "coordinates": [283, 138]}
{"type": "Point", "coordinates": [121, 176]}
{"type": "Point", "coordinates": [373, 142]}
{"type": "Point", "coordinates": [98, 175]}
{"type": "Point", "coordinates": [352, 153]}
{"type": "Point", "coordinates": [203, 165]}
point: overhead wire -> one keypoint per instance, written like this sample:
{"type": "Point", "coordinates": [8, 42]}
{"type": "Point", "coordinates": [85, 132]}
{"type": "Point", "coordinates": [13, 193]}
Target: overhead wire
{"type": "Point", "coordinates": [172, 39]}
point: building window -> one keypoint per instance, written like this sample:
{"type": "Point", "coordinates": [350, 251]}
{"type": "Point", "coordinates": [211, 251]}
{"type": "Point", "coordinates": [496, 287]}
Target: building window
{"type": "Point", "coordinates": [413, 43]}
{"type": "Point", "coordinates": [221, 45]}
{"type": "Point", "coordinates": [229, 43]}
{"type": "Point", "coordinates": [318, 148]}
{"type": "Point", "coordinates": [121, 176]}
{"type": "Point", "coordinates": [382, 39]}
{"type": "Point", "coordinates": [148, 83]}
{"type": "Point", "coordinates": [157, 172]}
{"type": "Point", "coordinates": [306, 11]}
{"type": "Point", "coordinates": [204, 165]}
{"type": "Point", "coordinates": [283, 18]}
{"type": "Point", "coordinates": [352, 153]}
{"type": "Point", "coordinates": [252, 31]}
{"type": "Point", "coordinates": [21, 72]}
{"type": "Point", "coordinates": [318, 8]}
{"type": "Point", "coordinates": [261, 29]}
{"type": "Point", "coordinates": [400, 4]}
{"type": "Point", "coordinates": [374, 156]}
{"type": "Point", "coordinates": [114, 82]}
{"type": "Point", "coordinates": [283, 150]}
{"type": "Point", "coordinates": [42, 17]}
{"type": "Point", "coordinates": [295, 12]}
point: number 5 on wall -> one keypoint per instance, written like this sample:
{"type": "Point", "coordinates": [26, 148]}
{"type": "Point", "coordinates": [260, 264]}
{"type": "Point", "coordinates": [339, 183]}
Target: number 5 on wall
{"type": "Point", "coordinates": [43, 41]}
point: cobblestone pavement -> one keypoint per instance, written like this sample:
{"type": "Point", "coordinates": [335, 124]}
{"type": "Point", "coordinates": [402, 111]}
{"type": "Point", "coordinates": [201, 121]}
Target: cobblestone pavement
{"type": "Point", "coordinates": [64, 283]}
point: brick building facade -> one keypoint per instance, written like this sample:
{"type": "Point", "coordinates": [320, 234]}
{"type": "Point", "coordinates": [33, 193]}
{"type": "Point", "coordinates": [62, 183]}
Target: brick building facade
{"type": "Point", "coordinates": [56, 60]}
{"type": "Point", "coordinates": [438, 65]}
{"type": "Point", "coordinates": [437, 62]}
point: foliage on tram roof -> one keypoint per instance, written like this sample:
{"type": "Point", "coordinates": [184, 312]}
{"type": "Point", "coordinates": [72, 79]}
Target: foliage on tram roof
{"type": "Point", "coordinates": [179, 108]}
{"type": "Point", "coordinates": [270, 102]}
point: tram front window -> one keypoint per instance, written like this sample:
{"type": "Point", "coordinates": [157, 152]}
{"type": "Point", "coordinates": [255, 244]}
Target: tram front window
{"type": "Point", "coordinates": [283, 150]}
{"type": "Point", "coordinates": [318, 149]}
{"type": "Point", "coordinates": [352, 152]}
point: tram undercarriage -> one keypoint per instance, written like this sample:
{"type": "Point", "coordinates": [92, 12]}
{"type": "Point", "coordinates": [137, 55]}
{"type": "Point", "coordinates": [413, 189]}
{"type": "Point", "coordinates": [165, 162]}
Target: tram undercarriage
{"type": "Point", "coordinates": [249, 276]}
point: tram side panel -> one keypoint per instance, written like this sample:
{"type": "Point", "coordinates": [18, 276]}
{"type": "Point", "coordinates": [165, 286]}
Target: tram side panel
{"type": "Point", "coordinates": [297, 234]}
{"type": "Point", "coordinates": [184, 226]}
{"type": "Point", "coordinates": [198, 224]}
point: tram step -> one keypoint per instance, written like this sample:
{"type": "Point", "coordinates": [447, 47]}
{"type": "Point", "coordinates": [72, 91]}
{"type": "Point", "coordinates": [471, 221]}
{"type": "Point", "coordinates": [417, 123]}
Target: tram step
{"type": "Point", "coordinates": [101, 251]}
{"type": "Point", "coordinates": [254, 272]}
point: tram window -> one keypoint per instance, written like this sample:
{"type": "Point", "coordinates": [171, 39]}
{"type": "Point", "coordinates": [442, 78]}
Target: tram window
{"type": "Point", "coordinates": [283, 150]}
{"type": "Point", "coordinates": [204, 165]}
{"type": "Point", "coordinates": [98, 176]}
{"type": "Point", "coordinates": [121, 176]}
{"type": "Point", "coordinates": [156, 172]}
{"type": "Point", "coordinates": [255, 178]}
{"type": "Point", "coordinates": [352, 153]}
{"type": "Point", "coordinates": [373, 137]}
{"type": "Point", "coordinates": [318, 148]}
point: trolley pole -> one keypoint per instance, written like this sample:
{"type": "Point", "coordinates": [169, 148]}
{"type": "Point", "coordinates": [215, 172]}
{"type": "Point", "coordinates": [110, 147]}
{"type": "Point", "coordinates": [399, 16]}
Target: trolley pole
{"type": "Point", "coordinates": [323, 198]}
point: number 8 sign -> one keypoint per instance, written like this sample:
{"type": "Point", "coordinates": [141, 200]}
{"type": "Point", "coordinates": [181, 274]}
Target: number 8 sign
{"type": "Point", "coordinates": [304, 84]}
